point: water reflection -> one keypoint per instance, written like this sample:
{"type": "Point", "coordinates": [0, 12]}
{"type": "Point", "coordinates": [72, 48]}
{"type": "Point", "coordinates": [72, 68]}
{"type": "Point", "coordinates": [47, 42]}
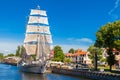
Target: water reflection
{"type": "Point", "coordinates": [8, 72]}
{"type": "Point", "coordinates": [30, 76]}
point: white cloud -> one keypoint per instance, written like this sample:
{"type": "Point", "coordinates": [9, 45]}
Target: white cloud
{"type": "Point", "coordinates": [112, 11]}
{"type": "Point", "coordinates": [81, 40]}
{"type": "Point", "coordinates": [75, 43]}
{"type": "Point", "coordinates": [69, 39]}
{"type": "Point", "coordinates": [84, 40]}
{"type": "Point", "coordinates": [8, 46]}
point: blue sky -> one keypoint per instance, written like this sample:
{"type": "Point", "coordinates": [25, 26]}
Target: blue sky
{"type": "Point", "coordinates": [73, 23]}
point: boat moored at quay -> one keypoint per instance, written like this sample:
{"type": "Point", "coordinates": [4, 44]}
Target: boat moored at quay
{"type": "Point", "coordinates": [37, 43]}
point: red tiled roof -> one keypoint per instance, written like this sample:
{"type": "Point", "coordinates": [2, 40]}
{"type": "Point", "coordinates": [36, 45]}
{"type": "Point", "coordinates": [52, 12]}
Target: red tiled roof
{"type": "Point", "coordinates": [69, 54]}
{"type": "Point", "coordinates": [79, 52]}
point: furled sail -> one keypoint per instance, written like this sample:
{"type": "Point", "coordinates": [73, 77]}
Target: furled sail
{"type": "Point", "coordinates": [30, 49]}
{"type": "Point", "coordinates": [36, 19]}
{"type": "Point", "coordinates": [38, 12]}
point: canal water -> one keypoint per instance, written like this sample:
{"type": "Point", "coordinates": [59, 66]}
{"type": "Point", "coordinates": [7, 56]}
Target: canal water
{"type": "Point", "coordinates": [9, 72]}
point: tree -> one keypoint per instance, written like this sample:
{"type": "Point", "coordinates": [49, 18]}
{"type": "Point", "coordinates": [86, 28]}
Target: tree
{"type": "Point", "coordinates": [95, 54]}
{"type": "Point", "coordinates": [22, 51]}
{"type": "Point", "coordinates": [1, 56]}
{"type": "Point", "coordinates": [56, 59]}
{"type": "Point", "coordinates": [108, 36]}
{"type": "Point", "coordinates": [68, 60]}
{"type": "Point", "coordinates": [76, 51]}
{"type": "Point", "coordinates": [10, 55]}
{"type": "Point", "coordinates": [103, 60]}
{"type": "Point", "coordinates": [58, 54]}
{"type": "Point", "coordinates": [18, 51]}
{"type": "Point", "coordinates": [71, 51]}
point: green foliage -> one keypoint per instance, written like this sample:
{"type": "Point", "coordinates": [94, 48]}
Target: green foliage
{"type": "Point", "coordinates": [18, 51]}
{"type": "Point", "coordinates": [33, 57]}
{"type": "Point", "coordinates": [71, 51]}
{"type": "Point", "coordinates": [58, 54]}
{"type": "Point", "coordinates": [111, 59]}
{"type": "Point", "coordinates": [56, 59]}
{"type": "Point", "coordinates": [1, 56]}
{"type": "Point", "coordinates": [92, 49]}
{"type": "Point", "coordinates": [103, 60]}
{"type": "Point", "coordinates": [108, 36]}
{"type": "Point", "coordinates": [10, 55]}
{"type": "Point", "coordinates": [76, 51]}
{"type": "Point", "coordinates": [21, 51]}
{"type": "Point", "coordinates": [67, 60]}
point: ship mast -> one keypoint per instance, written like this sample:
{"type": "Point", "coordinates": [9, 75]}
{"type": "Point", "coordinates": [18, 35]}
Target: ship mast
{"type": "Point", "coordinates": [38, 37]}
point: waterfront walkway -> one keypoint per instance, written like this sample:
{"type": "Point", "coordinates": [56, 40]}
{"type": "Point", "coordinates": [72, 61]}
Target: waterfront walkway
{"type": "Point", "coordinates": [88, 74]}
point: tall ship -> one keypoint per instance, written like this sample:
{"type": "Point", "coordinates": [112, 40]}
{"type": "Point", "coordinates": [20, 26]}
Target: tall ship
{"type": "Point", "coordinates": [37, 43]}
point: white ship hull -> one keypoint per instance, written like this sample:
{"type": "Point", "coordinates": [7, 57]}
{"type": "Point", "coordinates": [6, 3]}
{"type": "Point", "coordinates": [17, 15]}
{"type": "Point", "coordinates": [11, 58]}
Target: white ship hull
{"type": "Point", "coordinates": [32, 68]}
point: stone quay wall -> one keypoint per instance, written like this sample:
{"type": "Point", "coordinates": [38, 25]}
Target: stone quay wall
{"type": "Point", "coordinates": [87, 74]}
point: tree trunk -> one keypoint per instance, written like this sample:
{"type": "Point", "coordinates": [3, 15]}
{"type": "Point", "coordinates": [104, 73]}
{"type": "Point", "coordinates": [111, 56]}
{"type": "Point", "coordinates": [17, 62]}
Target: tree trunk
{"type": "Point", "coordinates": [110, 68]}
{"type": "Point", "coordinates": [95, 61]}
